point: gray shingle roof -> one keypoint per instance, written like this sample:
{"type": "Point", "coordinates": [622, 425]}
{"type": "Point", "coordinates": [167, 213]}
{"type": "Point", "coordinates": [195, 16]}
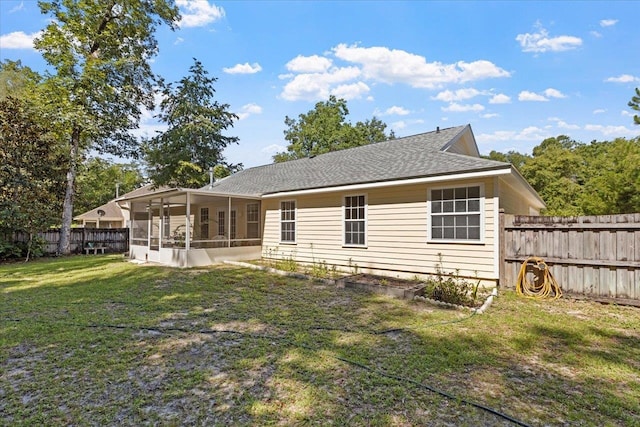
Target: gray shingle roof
{"type": "Point", "coordinates": [402, 158]}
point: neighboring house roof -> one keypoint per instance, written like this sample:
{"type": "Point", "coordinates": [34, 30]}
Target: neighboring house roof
{"type": "Point", "coordinates": [112, 210]}
{"type": "Point", "coordinates": [415, 156]}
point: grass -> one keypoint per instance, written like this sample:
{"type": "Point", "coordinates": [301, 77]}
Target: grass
{"type": "Point", "coordinates": [95, 340]}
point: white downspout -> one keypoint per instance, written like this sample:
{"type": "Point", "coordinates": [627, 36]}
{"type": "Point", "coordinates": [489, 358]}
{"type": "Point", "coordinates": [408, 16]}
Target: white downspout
{"type": "Point", "coordinates": [187, 243]}
{"type": "Point", "coordinates": [229, 225]}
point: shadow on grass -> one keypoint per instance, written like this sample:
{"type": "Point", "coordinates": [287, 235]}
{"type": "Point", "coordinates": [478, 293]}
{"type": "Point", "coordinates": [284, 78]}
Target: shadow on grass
{"type": "Point", "coordinates": [123, 344]}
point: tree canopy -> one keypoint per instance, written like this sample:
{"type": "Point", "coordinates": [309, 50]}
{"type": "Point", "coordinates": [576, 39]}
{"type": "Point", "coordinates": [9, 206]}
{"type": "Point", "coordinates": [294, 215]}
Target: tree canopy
{"type": "Point", "coordinates": [573, 178]}
{"type": "Point", "coordinates": [98, 179]}
{"type": "Point", "coordinates": [194, 140]}
{"type": "Point", "coordinates": [30, 170]}
{"type": "Point", "coordinates": [325, 129]}
{"type": "Point", "coordinates": [99, 53]}
{"type": "Point", "coordinates": [635, 105]}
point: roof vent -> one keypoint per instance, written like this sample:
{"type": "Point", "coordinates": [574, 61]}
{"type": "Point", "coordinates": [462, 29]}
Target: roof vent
{"type": "Point", "coordinates": [437, 129]}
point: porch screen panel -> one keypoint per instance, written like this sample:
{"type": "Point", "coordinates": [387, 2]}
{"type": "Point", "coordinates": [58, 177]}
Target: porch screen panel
{"type": "Point", "coordinates": [253, 221]}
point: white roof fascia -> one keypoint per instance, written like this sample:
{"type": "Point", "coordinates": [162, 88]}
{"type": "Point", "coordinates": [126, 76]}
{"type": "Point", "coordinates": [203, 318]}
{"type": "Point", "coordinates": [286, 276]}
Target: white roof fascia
{"type": "Point", "coordinates": [382, 184]}
{"type": "Point", "coordinates": [178, 191]}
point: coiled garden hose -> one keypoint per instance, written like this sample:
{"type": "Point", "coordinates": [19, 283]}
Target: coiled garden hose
{"type": "Point", "coordinates": [545, 286]}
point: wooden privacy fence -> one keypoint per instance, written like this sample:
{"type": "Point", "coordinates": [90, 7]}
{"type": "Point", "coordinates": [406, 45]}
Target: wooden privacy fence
{"type": "Point", "coordinates": [114, 239]}
{"type": "Point", "coordinates": [597, 256]}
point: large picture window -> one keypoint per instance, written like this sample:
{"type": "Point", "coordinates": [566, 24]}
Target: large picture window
{"type": "Point", "coordinates": [355, 221]}
{"type": "Point", "coordinates": [288, 221]}
{"type": "Point", "coordinates": [455, 214]}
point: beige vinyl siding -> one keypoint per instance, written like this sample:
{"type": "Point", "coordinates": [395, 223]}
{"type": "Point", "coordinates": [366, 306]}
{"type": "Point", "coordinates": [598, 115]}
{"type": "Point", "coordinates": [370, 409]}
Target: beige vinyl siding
{"type": "Point", "coordinates": [512, 201]}
{"type": "Point", "coordinates": [396, 233]}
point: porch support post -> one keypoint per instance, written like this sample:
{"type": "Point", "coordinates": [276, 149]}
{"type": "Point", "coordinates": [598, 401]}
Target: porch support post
{"type": "Point", "coordinates": [149, 224]}
{"type": "Point", "coordinates": [161, 222]}
{"type": "Point", "coordinates": [229, 225]}
{"type": "Point", "coordinates": [187, 240]}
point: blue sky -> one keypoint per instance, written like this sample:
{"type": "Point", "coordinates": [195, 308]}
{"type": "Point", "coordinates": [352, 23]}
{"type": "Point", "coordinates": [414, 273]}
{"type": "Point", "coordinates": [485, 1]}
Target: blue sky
{"type": "Point", "coordinates": [518, 72]}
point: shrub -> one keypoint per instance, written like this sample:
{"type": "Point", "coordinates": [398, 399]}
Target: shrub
{"type": "Point", "coordinates": [451, 288]}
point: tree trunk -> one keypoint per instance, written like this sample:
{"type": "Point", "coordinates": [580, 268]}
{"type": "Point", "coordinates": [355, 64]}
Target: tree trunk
{"type": "Point", "coordinates": [64, 244]}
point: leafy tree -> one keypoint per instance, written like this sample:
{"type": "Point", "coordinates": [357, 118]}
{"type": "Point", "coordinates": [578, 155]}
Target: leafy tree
{"type": "Point", "coordinates": [193, 142]}
{"type": "Point", "coordinates": [99, 51]}
{"type": "Point", "coordinates": [555, 172]}
{"type": "Point", "coordinates": [325, 129]}
{"type": "Point", "coordinates": [516, 159]}
{"type": "Point", "coordinates": [30, 166]}
{"type": "Point", "coordinates": [17, 80]}
{"type": "Point", "coordinates": [97, 181]}
{"type": "Point", "coordinates": [635, 105]}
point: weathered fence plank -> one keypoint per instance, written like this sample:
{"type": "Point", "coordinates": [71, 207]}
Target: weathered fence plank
{"type": "Point", "coordinates": [597, 256]}
{"type": "Point", "coordinates": [115, 240]}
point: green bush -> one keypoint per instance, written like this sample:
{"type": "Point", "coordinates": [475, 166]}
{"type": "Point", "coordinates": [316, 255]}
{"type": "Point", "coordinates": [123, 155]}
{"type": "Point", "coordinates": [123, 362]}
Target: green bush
{"type": "Point", "coordinates": [451, 288]}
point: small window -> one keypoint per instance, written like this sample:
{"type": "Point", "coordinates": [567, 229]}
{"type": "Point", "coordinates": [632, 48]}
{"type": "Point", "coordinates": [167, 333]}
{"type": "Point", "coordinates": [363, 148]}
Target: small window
{"type": "Point", "coordinates": [355, 221]}
{"type": "Point", "coordinates": [253, 221]}
{"type": "Point", "coordinates": [455, 214]}
{"type": "Point", "coordinates": [288, 221]}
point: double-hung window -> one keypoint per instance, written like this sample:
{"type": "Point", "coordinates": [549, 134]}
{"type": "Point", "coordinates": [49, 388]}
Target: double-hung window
{"type": "Point", "coordinates": [455, 214]}
{"type": "Point", "coordinates": [288, 221]}
{"type": "Point", "coordinates": [355, 217]}
{"type": "Point", "coordinates": [222, 223]}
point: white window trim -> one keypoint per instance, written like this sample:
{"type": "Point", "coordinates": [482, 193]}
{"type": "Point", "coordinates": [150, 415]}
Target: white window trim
{"type": "Point", "coordinates": [481, 241]}
{"type": "Point", "coordinates": [295, 223]}
{"type": "Point", "coordinates": [366, 220]}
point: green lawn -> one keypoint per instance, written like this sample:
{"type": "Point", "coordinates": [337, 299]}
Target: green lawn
{"type": "Point", "coordinates": [94, 340]}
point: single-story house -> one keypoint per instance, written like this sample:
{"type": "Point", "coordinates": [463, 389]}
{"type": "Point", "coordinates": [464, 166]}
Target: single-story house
{"type": "Point", "coordinates": [111, 214]}
{"type": "Point", "coordinates": [396, 207]}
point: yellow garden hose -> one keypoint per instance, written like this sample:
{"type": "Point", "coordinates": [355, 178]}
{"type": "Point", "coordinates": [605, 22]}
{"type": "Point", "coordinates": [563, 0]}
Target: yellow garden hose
{"type": "Point", "coordinates": [546, 285]}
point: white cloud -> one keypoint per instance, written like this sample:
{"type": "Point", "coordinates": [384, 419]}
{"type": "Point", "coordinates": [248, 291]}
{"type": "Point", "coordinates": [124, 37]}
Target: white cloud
{"type": "Point", "coordinates": [350, 91]}
{"type": "Point", "coordinates": [273, 149]}
{"type": "Point", "coordinates": [18, 40]}
{"type": "Point", "coordinates": [316, 77]}
{"type": "Point", "coordinates": [458, 95]}
{"type": "Point", "coordinates": [489, 115]}
{"type": "Point", "coordinates": [245, 68]}
{"type": "Point", "coordinates": [562, 124]}
{"type": "Point", "coordinates": [500, 99]}
{"type": "Point", "coordinates": [313, 86]}
{"type": "Point", "coordinates": [178, 41]}
{"type": "Point", "coordinates": [401, 124]}
{"type": "Point", "coordinates": [531, 133]}
{"type": "Point", "coordinates": [608, 22]}
{"type": "Point", "coordinates": [623, 78]}
{"type": "Point", "coordinates": [626, 113]}
{"type": "Point", "coordinates": [554, 93]}
{"type": "Point", "coordinates": [198, 13]}
{"type": "Point", "coordinates": [392, 111]}
{"type": "Point", "coordinates": [595, 34]}
{"type": "Point", "coordinates": [17, 8]}
{"type": "Point", "coordinates": [309, 64]}
{"type": "Point", "coordinates": [525, 95]}
{"type": "Point", "coordinates": [599, 111]}
{"type": "Point", "coordinates": [390, 66]}
{"type": "Point", "coordinates": [248, 110]}
{"type": "Point", "coordinates": [461, 108]}
{"type": "Point", "coordinates": [540, 41]}
{"type": "Point", "coordinates": [610, 131]}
